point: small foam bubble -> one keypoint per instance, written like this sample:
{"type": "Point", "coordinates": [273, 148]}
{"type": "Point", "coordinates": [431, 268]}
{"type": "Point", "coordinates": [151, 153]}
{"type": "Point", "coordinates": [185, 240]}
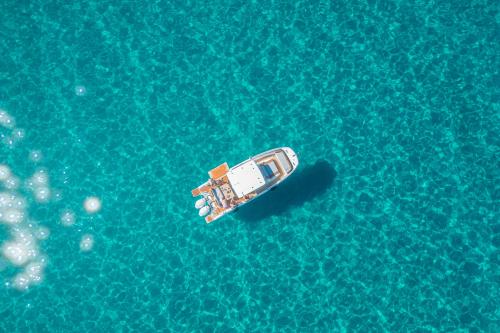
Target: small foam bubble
{"type": "Point", "coordinates": [35, 156]}
{"type": "Point", "coordinates": [42, 233]}
{"type": "Point", "coordinates": [86, 243]}
{"type": "Point", "coordinates": [42, 194]}
{"type": "Point", "coordinates": [92, 204]}
{"type": "Point", "coordinates": [80, 90]}
{"type": "Point", "coordinates": [67, 218]}
{"type": "Point", "coordinates": [18, 202]}
{"type": "Point", "coordinates": [56, 194]}
{"type": "Point", "coordinates": [18, 134]}
{"type": "Point", "coordinates": [8, 141]}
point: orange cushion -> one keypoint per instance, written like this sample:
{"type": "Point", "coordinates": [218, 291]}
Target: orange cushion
{"type": "Point", "coordinates": [219, 171]}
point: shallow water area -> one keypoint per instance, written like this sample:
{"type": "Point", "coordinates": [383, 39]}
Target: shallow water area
{"type": "Point", "coordinates": [389, 224]}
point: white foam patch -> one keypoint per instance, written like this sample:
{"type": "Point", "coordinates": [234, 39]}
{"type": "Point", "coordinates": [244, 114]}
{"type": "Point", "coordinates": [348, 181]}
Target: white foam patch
{"type": "Point", "coordinates": [11, 183]}
{"type": "Point", "coordinates": [40, 178]}
{"type": "Point", "coordinates": [32, 274]}
{"type": "Point", "coordinates": [16, 253]}
{"type": "Point", "coordinates": [67, 218]}
{"type": "Point", "coordinates": [4, 172]}
{"type": "Point", "coordinates": [6, 120]}
{"type": "Point", "coordinates": [22, 249]}
{"type": "Point", "coordinates": [11, 200]}
{"type": "Point", "coordinates": [12, 208]}
{"type": "Point", "coordinates": [42, 194]}
{"type": "Point", "coordinates": [86, 243]}
{"type": "Point", "coordinates": [21, 281]}
{"type": "Point", "coordinates": [38, 183]}
{"type": "Point", "coordinates": [11, 216]}
{"type": "Point", "coordinates": [92, 205]}
{"type": "Point", "coordinates": [35, 271]}
{"type": "Point", "coordinates": [6, 199]}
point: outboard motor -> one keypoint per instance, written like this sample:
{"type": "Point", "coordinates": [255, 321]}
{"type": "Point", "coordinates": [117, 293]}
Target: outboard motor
{"type": "Point", "coordinates": [200, 203]}
{"type": "Point", "coordinates": [204, 210]}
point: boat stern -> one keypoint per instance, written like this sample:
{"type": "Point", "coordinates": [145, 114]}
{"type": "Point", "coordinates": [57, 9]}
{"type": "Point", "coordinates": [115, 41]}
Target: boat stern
{"type": "Point", "coordinates": [292, 156]}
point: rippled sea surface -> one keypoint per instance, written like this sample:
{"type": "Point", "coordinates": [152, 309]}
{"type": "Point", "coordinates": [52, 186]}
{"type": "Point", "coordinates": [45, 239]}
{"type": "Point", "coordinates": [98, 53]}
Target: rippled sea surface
{"type": "Point", "coordinates": [391, 222]}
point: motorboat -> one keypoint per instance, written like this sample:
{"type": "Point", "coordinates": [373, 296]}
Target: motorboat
{"type": "Point", "coordinates": [230, 188]}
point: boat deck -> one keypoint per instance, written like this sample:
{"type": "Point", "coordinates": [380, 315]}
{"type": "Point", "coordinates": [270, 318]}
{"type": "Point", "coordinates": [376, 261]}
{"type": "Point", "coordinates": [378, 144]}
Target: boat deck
{"type": "Point", "coordinates": [221, 196]}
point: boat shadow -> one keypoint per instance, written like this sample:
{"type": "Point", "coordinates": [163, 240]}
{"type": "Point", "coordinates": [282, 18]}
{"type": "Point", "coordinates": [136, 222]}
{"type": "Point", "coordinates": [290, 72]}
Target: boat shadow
{"type": "Point", "coordinates": [303, 186]}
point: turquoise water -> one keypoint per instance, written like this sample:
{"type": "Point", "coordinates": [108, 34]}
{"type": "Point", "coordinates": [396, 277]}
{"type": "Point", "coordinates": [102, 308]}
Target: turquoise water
{"type": "Point", "coordinates": [391, 222]}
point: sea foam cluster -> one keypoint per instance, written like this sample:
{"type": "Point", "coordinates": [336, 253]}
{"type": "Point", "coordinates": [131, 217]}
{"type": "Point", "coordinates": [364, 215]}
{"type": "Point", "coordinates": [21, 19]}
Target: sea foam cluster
{"type": "Point", "coordinates": [22, 249]}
